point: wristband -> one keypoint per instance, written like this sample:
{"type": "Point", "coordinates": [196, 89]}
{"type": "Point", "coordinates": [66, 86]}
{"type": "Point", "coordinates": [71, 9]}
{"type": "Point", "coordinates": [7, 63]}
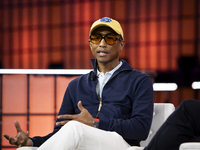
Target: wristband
{"type": "Point", "coordinates": [96, 123]}
{"type": "Point", "coordinates": [32, 142]}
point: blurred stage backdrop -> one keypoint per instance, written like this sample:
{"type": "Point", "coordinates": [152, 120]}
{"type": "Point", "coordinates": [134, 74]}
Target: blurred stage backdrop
{"type": "Point", "coordinates": [162, 38]}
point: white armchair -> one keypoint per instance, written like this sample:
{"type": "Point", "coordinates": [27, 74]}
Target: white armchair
{"type": "Point", "coordinates": [160, 114]}
{"type": "Point", "coordinates": [190, 146]}
{"type": "Point", "coordinates": [27, 148]}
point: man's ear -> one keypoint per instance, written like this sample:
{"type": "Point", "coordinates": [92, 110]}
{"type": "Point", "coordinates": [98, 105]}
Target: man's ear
{"type": "Point", "coordinates": [122, 44]}
{"type": "Point", "coordinates": [90, 44]}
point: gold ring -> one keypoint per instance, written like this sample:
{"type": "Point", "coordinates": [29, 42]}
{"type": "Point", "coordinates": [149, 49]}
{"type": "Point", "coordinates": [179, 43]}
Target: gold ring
{"type": "Point", "coordinates": [19, 145]}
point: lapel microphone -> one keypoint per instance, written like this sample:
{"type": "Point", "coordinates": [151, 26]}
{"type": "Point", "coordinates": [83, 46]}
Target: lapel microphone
{"type": "Point", "coordinates": [93, 76]}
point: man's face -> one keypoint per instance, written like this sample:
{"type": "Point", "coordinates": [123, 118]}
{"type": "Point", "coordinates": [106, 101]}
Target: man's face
{"type": "Point", "coordinates": [103, 52]}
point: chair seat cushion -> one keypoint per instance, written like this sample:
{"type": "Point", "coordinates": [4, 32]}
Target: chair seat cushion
{"type": "Point", "coordinates": [135, 148]}
{"type": "Point", "coordinates": [27, 148]}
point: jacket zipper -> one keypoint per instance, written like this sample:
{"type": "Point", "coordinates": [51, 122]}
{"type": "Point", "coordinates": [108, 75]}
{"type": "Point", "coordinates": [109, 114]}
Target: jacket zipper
{"type": "Point", "coordinates": [100, 100]}
{"type": "Point", "coordinates": [100, 105]}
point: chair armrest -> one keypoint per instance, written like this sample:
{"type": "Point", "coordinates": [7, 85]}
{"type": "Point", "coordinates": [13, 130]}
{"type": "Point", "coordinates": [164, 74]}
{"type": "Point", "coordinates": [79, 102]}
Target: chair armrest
{"type": "Point", "coordinates": [135, 148]}
{"type": "Point", "coordinates": [27, 148]}
{"type": "Point", "coordinates": [189, 146]}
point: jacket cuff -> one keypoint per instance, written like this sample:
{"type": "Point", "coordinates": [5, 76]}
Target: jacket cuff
{"type": "Point", "coordinates": [103, 124]}
{"type": "Point", "coordinates": [31, 141]}
{"type": "Point", "coordinates": [35, 142]}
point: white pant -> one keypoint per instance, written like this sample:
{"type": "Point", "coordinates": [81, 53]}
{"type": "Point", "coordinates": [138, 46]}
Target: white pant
{"type": "Point", "coordinates": [77, 136]}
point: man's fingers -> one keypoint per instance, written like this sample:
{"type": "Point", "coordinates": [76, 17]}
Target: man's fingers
{"type": "Point", "coordinates": [12, 140]}
{"type": "Point", "coordinates": [18, 128]}
{"type": "Point", "coordinates": [61, 123]}
{"type": "Point", "coordinates": [6, 136]}
{"type": "Point", "coordinates": [80, 106]}
{"type": "Point", "coordinates": [27, 133]}
{"type": "Point", "coordinates": [67, 117]}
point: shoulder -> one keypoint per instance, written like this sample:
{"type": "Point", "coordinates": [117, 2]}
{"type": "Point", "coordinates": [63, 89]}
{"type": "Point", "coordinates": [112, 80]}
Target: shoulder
{"type": "Point", "coordinates": [137, 77]}
{"type": "Point", "coordinates": [138, 74]}
{"type": "Point", "coordinates": [126, 68]}
{"type": "Point", "coordinates": [81, 78]}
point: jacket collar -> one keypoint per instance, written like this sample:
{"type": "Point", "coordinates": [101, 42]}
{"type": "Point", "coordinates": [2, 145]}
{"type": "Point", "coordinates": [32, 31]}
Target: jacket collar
{"type": "Point", "coordinates": [125, 66]}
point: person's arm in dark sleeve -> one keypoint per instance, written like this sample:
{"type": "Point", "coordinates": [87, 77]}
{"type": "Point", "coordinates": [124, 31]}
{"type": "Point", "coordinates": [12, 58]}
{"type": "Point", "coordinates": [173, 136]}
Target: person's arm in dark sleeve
{"type": "Point", "coordinates": [138, 126]}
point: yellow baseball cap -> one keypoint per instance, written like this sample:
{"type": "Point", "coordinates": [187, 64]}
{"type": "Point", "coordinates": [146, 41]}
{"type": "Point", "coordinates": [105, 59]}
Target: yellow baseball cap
{"type": "Point", "coordinates": [105, 21]}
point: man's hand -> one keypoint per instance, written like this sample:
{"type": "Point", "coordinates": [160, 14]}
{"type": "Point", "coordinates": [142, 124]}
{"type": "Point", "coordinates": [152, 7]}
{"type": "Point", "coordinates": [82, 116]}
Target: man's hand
{"type": "Point", "coordinates": [21, 139]}
{"type": "Point", "coordinates": [84, 117]}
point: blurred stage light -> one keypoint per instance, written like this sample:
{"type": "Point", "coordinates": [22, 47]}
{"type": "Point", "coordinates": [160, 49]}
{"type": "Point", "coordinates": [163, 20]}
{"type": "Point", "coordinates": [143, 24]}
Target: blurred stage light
{"type": "Point", "coordinates": [196, 85]}
{"type": "Point", "coordinates": [45, 71]}
{"type": "Point", "coordinates": [165, 86]}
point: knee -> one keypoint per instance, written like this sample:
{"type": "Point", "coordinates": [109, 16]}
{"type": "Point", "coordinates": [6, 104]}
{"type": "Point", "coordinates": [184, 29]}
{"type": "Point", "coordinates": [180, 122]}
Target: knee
{"type": "Point", "coordinates": [73, 124]}
{"type": "Point", "coordinates": [190, 104]}
{"type": "Point", "coordinates": [73, 127]}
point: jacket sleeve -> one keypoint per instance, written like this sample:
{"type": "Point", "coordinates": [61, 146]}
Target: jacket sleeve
{"type": "Point", "coordinates": [66, 108]}
{"type": "Point", "coordinates": [138, 125]}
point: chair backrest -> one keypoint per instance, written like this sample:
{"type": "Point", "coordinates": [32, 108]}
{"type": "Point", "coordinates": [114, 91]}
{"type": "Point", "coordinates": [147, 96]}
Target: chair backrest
{"type": "Point", "coordinates": [160, 114]}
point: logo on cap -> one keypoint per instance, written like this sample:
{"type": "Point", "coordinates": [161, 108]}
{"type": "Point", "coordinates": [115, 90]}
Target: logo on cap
{"type": "Point", "coordinates": [105, 19]}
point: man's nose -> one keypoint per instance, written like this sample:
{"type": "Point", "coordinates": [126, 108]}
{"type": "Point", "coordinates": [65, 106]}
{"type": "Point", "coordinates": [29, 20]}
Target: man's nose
{"type": "Point", "coordinates": [103, 43]}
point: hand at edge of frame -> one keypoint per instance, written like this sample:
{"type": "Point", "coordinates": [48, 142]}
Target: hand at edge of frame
{"type": "Point", "coordinates": [21, 139]}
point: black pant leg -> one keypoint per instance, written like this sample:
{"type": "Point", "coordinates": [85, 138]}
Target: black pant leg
{"type": "Point", "coordinates": [181, 126]}
{"type": "Point", "coordinates": [195, 139]}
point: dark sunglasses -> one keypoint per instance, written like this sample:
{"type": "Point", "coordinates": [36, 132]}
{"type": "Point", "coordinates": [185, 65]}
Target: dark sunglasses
{"type": "Point", "coordinates": [109, 38]}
